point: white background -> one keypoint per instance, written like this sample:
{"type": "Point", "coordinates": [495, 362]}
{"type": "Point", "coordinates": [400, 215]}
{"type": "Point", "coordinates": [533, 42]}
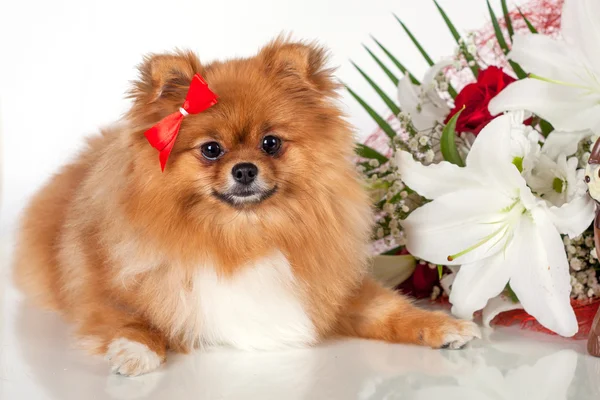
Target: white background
{"type": "Point", "coordinates": [65, 64]}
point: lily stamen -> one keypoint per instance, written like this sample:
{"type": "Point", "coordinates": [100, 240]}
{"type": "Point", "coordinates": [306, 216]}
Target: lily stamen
{"type": "Point", "coordinates": [476, 245]}
{"type": "Point", "coordinates": [557, 82]}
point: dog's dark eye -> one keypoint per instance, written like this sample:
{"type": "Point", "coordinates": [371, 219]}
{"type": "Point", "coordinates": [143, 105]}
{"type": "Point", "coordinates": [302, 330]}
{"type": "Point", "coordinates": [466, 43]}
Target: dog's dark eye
{"type": "Point", "coordinates": [211, 150]}
{"type": "Point", "coordinates": [271, 144]}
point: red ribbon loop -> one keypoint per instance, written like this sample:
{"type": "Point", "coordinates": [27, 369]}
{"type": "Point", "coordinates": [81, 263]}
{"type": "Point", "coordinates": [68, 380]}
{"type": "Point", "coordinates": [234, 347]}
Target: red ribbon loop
{"type": "Point", "coordinates": [162, 135]}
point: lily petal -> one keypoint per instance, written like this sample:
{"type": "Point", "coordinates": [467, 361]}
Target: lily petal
{"type": "Point", "coordinates": [425, 110]}
{"type": "Point", "coordinates": [542, 281]}
{"type": "Point", "coordinates": [547, 57]}
{"type": "Point", "coordinates": [459, 221]}
{"type": "Point", "coordinates": [480, 281]}
{"type": "Point", "coordinates": [490, 156]}
{"type": "Point", "coordinates": [580, 29]}
{"type": "Point", "coordinates": [498, 305]}
{"type": "Point", "coordinates": [434, 180]}
{"type": "Point", "coordinates": [574, 217]}
{"type": "Point", "coordinates": [563, 142]}
{"type": "Point", "coordinates": [435, 69]}
{"type": "Point", "coordinates": [570, 108]}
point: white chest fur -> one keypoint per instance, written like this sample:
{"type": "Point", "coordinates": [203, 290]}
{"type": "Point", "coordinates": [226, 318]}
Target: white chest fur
{"type": "Point", "coordinates": [259, 307]}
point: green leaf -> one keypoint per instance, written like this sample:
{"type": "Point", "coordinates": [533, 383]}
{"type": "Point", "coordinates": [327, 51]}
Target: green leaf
{"type": "Point", "coordinates": [392, 252]}
{"type": "Point", "coordinates": [368, 152]}
{"type": "Point", "coordinates": [529, 24]}
{"type": "Point", "coordinates": [502, 42]}
{"type": "Point", "coordinates": [448, 142]}
{"type": "Point", "coordinates": [507, 20]}
{"type": "Point", "coordinates": [415, 41]}
{"type": "Point", "coordinates": [521, 74]}
{"type": "Point", "coordinates": [497, 29]}
{"type": "Point", "coordinates": [452, 91]}
{"type": "Point", "coordinates": [546, 127]}
{"type": "Point", "coordinates": [456, 35]}
{"type": "Point", "coordinates": [383, 67]}
{"type": "Point", "coordinates": [397, 63]}
{"type": "Point", "coordinates": [386, 99]}
{"type": "Point", "coordinates": [380, 121]}
{"type": "Point", "coordinates": [440, 269]}
{"type": "Point", "coordinates": [511, 294]}
{"type": "Point", "coordinates": [414, 80]}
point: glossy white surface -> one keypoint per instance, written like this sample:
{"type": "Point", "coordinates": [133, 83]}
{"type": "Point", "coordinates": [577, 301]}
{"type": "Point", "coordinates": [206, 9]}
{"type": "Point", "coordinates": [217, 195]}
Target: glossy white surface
{"type": "Point", "coordinates": [37, 362]}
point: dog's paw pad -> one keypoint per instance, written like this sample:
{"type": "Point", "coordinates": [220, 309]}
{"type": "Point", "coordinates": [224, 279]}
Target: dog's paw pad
{"type": "Point", "coordinates": [130, 358]}
{"type": "Point", "coordinates": [459, 334]}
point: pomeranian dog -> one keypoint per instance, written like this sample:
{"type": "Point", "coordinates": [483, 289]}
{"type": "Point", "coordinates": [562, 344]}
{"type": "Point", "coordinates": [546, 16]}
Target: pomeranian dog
{"type": "Point", "coordinates": [255, 235]}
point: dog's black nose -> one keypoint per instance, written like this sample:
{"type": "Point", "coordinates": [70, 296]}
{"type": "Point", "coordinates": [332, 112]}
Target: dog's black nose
{"type": "Point", "coordinates": [244, 173]}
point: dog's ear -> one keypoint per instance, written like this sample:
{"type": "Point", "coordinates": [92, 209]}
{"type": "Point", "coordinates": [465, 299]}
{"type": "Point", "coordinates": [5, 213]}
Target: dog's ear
{"type": "Point", "coordinates": [162, 84]}
{"type": "Point", "coordinates": [307, 61]}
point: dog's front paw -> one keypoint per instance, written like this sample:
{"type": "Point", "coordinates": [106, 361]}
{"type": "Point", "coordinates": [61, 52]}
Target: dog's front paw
{"type": "Point", "coordinates": [131, 358]}
{"type": "Point", "coordinates": [450, 333]}
{"type": "Point", "coordinates": [460, 334]}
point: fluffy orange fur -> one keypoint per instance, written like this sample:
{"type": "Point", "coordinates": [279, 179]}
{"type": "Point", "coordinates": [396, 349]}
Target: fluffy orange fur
{"type": "Point", "coordinates": [111, 242]}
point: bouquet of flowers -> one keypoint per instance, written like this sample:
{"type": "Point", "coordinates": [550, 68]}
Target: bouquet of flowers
{"type": "Point", "coordinates": [478, 172]}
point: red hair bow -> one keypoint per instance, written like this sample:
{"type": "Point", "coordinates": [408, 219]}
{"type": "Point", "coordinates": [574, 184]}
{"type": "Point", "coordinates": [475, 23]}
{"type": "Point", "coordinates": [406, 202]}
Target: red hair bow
{"type": "Point", "coordinates": [162, 135]}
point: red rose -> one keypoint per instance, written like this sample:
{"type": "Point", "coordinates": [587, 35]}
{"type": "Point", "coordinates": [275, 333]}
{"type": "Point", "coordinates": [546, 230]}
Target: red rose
{"type": "Point", "coordinates": [475, 97]}
{"type": "Point", "coordinates": [421, 283]}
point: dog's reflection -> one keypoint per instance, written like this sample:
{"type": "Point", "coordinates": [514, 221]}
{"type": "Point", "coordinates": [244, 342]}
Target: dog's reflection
{"type": "Point", "coordinates": [336, 370]}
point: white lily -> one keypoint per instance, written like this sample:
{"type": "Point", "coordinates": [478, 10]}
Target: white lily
{"type": "Point", "coordinates": [558, 181]}
{"type": "Point", "coordinates": [495, 305]}
{"type": "Point", "coordinates": [565, 87]}
{"type": "Point", "coordinates": [525, 149]}
{"type": "Point", "coordinates": [423, 102]}
{"type": "Point", "coordinates": [484, 218]}
{"type": "Point", "coordinates": [563, 143]}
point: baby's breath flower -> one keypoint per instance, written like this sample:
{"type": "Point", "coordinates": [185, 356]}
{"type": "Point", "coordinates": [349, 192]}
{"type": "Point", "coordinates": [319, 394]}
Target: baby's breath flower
{"type": "Point", "coordinates": [583, 263]}
{"type": "Point", "coordinates": [429, 156]}
{"type": "Point", "coordinates": [401, 240]}
{"type": "Point", "coordinates": [388, 208]}
{"type": "Point", "coordinates": [589, 241]}
{"type": "Point", "coordinates": [398, 185]}
{"type": "Point", "coordinates": [575, 263]}
{"type": "Point", "coordinates": [374, 163]}
{"type": "Point", "coordinates": [413, 144]}
{"type": "Point", "coordinates": [404, 117]}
